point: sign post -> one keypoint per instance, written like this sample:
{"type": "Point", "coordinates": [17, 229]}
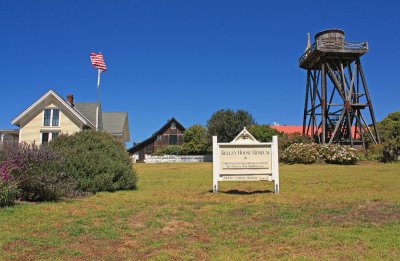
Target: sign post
{"type": "Point", "coordinates": [245, 159]}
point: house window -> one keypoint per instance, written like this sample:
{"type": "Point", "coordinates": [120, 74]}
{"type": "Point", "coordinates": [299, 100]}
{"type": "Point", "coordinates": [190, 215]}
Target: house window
{"type": "Point", "coordinates": [51, 116]}
{"type": "Point", "coordinates": [47, 115]}
{"type": "Point", "coordinates": [56, 117]}
{"type": "Point", "coordinates": [173, 125]}
{"type": "Point", "coordinates": [173, 139]}
{"type": "Point", "coordinates": [45, 137]}
{"type": "Point", "coordinates": [159, 137]}
{"type": "Point", "coordinates": [54, 135]}
{"type": "Point", "coordinates": [48, 136]}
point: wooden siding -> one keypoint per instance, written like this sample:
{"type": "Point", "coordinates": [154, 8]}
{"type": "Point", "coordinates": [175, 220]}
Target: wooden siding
{"type": "Point", "coordinates": [169, 136]}
{"type": "Point", "coordinates": [166, 138]}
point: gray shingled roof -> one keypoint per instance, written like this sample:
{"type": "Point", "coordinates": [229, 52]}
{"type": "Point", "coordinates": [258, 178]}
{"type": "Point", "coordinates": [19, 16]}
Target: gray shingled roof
{"type": "Point", "coordinates": [113, 122]}
{"type": "Point", "coordinates": [87, 109]}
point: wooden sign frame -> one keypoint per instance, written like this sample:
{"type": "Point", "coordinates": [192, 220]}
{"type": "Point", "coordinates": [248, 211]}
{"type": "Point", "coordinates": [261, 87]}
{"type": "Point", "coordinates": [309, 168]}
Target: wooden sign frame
{"type": "Point", "coordinates": [245, 159]}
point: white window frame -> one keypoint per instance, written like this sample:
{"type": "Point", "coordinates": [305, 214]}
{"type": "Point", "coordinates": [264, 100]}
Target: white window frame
{"type": "Point", "coordinates": [173, 125]}
{"type": "Point", "coordinates": [51, 117]}
{"type": "Point", "coordinates": [50, 135]}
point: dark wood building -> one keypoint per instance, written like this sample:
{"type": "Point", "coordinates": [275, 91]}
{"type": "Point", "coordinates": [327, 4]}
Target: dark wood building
{"type": "Point", "coordinates": [169, 134]}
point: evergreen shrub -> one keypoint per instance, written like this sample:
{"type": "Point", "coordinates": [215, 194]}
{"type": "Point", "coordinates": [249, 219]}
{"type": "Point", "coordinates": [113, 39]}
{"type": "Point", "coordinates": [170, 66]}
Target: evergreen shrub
{"type": "Point", "coordinates": [96, 161]}
{"type": "Point", "coordinates": [170, 150]}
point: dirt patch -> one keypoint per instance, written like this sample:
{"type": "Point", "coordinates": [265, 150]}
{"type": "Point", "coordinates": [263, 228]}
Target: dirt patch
{"type": "Point", "coordinates": [15, 245]}
{"type": "Point", "coordinates": [175, 226]}
{"type": "Point", "coordinates": [98, 249]}
{"type": "Point", "coordinates": [239, 212]}
{"type": "Point", "coordinates": [97, 222]}
{"type": "Point", "coordinates": [376, 212]}
{"type": "Point", "coordinates": [306, 250]}
{"type": "Point", "coordinates": [137, 220]}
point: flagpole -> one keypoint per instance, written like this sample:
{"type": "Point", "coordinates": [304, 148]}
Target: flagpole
{"type": "Point", "coordinates": [98, 99]}
{"type": "Point", "coordinates": [98, 63]}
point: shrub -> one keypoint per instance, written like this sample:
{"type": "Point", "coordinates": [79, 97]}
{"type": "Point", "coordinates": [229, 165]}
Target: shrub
{"type": "Point", "coordinates": [40, 173]}
{"type": "Point", "coordinates": [170, 150]}
{"type": "Point", "coordinates": [8, 186]}
{"type": "Point", "coordinates": [301, 153]}
{"type": "Point", "coordinates": [96, 161]}
{"type": "Point", "coordinates": [389, 130]}
{"type": "Point", "coordinates": [286, 140]}
{"type": "Point", "coordinates": [374, 152]}
{"type": "Point", "coordinates": [390, 154]}
{"type": "Point", "coordinates": [311, 153]}
{"type": "Point", "coordinates": [336, 154]}
{"type": "Point", "coordinates": [8, 192]}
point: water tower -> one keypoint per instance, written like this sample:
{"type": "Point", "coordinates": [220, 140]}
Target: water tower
{"type": "Point", "coordinates": [337, 104]}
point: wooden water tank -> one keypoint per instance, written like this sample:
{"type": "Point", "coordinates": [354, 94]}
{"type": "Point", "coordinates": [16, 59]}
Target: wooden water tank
{"type": "Point", "coordinates": [331, 38]}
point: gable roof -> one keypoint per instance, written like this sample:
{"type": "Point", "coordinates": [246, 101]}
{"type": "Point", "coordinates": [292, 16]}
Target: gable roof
{"type": "Point", "coordinates": [116, 123]}
{"type": "Point", "coordinates": [88, 109]}
{"type": "Point", "coordinates": [113, 122]}
{"type": "Point", "coordinates": [153, 137]}
{"type": "Point", "coordinates": [16, 121]}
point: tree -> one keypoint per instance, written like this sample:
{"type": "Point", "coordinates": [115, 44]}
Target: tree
{"type": "Point", "coordinates": [263, 133]}
{"type": "Point", "coordinates": [195, 140]}
{"type": "Point", "coordinates": [389, 131]}
{"type": "Point", "coordinates": [387, 128]}
{"type": "Point", "coordinates": [227, 124]}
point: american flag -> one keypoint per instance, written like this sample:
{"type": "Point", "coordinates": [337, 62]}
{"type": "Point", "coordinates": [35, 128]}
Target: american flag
{"type": "Point", "coordinates": [98, 61]}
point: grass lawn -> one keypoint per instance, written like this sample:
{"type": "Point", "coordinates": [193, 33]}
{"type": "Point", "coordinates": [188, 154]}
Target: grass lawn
{"type": "Point", "coordinates": [323, 212]}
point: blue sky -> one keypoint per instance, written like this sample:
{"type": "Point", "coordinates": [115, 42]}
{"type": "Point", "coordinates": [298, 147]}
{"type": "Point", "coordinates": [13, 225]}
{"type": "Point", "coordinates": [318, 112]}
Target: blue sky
{"type": "Point", "coordinates": [186, 59]}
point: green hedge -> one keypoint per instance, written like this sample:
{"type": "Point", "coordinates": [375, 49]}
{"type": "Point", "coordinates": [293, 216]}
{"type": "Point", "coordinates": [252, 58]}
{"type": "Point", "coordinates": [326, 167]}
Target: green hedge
{"type": "Point", "coordinates": [96, 161]}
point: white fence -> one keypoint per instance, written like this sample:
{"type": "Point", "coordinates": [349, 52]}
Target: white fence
{"type": "Point", "coordinates": [176, 159]}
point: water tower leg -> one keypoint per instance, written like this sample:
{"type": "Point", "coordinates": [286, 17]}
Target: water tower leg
{"type": "Point", "coordinates": [323, 101]}
{"type": "Point", "coordinates": [306, 105]}
{"type": "Point", "coordinates": [371, 110]}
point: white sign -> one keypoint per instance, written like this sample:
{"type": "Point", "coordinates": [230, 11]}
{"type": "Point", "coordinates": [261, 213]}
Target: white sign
{"type": "Point", "coordinates": [245, 159]}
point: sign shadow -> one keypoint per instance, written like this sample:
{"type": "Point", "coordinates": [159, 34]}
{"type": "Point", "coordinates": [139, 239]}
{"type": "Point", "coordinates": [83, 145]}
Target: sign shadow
{"type": "Point", "coordinates": [241, 192]}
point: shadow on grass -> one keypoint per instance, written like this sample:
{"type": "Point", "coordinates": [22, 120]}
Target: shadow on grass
{"type": "Point", "coordinates": [240, 192]}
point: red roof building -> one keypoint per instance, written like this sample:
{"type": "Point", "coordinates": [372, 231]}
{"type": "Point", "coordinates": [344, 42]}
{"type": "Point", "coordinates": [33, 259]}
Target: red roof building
{"type": "Point", "coordinates": [289, 129]}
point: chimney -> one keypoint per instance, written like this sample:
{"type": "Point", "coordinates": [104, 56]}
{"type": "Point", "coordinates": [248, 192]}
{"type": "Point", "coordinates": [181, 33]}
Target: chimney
{"type": "Point", "coordinates": [70, 99]}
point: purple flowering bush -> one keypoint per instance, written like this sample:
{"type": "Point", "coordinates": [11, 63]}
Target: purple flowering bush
{"type": "Point", "coordinates": [8, 185]}
{"type": "Point", "coordinates": [37, 171]}
{"type": "Point", "coordinates": [86, 162]}
{"type": "Point", "coordinates": [311, 153]}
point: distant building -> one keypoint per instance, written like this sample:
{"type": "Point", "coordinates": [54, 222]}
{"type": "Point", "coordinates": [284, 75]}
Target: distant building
{"type": "Point", "coordinates": [9, 136]}
{"type": "Point", "coordinates": [51, 115]}
{"type": "Point", "coordinates": [169, 134]}
{"type": "Point", "coordinates": [288, 129]}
